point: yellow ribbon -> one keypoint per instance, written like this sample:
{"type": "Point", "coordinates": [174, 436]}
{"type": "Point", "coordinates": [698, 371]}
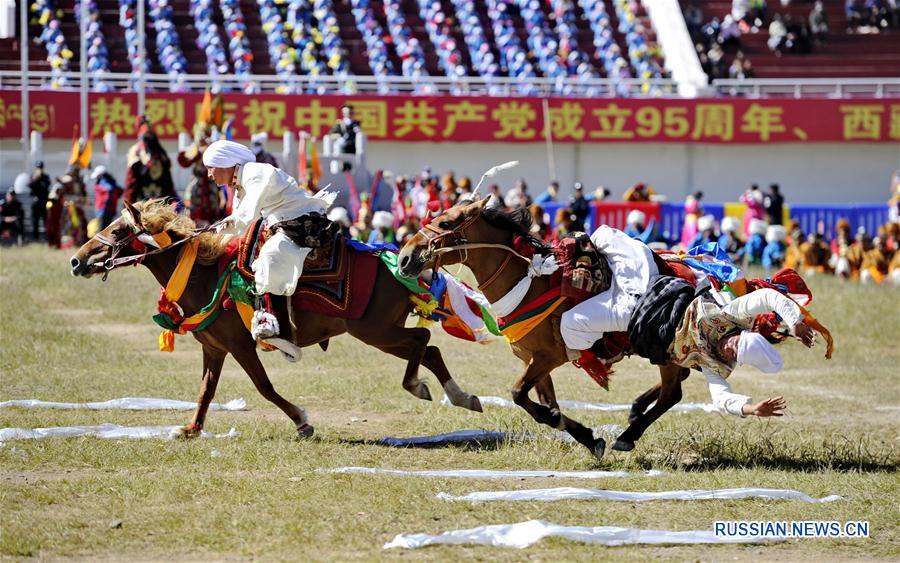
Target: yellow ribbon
{"type": "Point", "coordinates": [175, 288]}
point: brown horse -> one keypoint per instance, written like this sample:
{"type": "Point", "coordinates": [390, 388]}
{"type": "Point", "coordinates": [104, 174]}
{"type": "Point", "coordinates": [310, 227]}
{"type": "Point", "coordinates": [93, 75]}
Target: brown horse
{"type": "Point", "coordinates": [381, 326]}
{"type": "Point", "coordinates": [482, 239]}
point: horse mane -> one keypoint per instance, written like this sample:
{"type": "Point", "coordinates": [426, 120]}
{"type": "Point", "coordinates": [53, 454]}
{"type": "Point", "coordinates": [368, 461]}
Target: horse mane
{"type": "Point", "coordinates": [157, 216]}
{"type": "Point", "coordinates": [516, 221]}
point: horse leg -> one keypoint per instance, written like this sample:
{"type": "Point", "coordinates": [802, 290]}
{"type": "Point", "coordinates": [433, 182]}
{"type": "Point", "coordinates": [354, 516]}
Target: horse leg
{"type": "Point", "coordinates": [535, 372]}
{"type": "Point", "coordinates": [640, 404]}
{"type": "Point", "coordinates": [249, 360]}
{"type": "Point", "coordinates": [669, 395]}
{"type": "Point", "coordinates": [545, 392]}
{"type": "Point", "coordinates": [212, 368]}
{"type": "Point", "coordinates": [434, 362]}
{"type": "Point", "coordinates": [409, 344]}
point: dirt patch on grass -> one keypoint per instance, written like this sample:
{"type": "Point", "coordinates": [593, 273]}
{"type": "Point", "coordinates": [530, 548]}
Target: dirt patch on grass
{"type": "Point", "coordinates": [19, 477]}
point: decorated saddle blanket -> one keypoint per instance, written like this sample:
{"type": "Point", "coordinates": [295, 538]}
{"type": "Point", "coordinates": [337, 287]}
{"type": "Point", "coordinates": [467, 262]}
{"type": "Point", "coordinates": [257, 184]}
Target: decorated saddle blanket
{"type": "Point", "coordinates": [336, 280]}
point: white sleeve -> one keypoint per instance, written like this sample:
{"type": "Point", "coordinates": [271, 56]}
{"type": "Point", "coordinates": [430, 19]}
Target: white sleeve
{"type": "Point", "coordinates": [247, 209]}
{"type": "Point", "coordinates": [764, 301]}
{"type": "Point", "coordinates": [722, 397]}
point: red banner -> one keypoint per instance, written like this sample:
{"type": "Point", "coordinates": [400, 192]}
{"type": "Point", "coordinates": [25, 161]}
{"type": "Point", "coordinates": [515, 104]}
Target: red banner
{"type": "Point", "coordinates": [482, 119]}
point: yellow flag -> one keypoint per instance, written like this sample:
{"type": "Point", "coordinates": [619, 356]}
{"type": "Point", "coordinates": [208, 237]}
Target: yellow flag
{"type": "Point", "coordinates": [85, 159]}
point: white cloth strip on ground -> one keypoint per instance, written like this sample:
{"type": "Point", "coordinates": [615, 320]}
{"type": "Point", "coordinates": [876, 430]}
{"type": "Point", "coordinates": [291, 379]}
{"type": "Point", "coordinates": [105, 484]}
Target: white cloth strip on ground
{"type": "Point", "coordinates": [574, 493]}
{"type": "Point", "coordinates": [523, 534]}
{"type": "Point", "coordinates": [581, 405]}
{"type": "Point", "coordinates": [494, 474]}
{"type": "Point", "coordinates": [127, 403]}
{"type": "Point", "coordinates": [106, 430]}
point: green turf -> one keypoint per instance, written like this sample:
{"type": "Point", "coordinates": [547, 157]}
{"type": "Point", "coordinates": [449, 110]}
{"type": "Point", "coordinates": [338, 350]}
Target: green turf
{"type": "Point", "coordinates": [66, 339]}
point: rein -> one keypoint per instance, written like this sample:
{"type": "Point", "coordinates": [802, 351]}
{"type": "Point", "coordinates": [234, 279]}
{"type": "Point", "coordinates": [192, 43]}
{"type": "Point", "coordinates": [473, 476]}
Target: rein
{"type": "Point", "coordinates": [113, 262]}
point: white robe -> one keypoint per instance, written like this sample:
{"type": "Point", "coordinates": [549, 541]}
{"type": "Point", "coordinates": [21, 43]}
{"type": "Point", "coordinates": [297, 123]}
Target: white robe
{"type": "Point", "coordinates": [267, 192]}
{"type": "Point", "coordinates": [633, 269]}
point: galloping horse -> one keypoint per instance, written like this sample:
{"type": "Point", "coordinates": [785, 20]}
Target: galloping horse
{"type": "Point", "coordinates": [381, 326]}
{"type": "Point", "coordinates": [482, 239]}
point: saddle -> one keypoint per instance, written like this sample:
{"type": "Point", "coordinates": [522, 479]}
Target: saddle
{"type": "Point", "coordinates": [337, 280]}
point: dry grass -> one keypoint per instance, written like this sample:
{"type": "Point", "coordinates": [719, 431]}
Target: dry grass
{"type": "Point", "coordinates": [75, 340]}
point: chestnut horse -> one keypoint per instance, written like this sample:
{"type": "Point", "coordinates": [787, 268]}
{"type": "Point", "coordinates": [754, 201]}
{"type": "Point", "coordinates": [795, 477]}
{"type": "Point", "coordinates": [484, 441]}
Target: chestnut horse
{"type": "Point", "coordinates": [381, 326]}
{"type": "Point", "coordinates": [482, 239]}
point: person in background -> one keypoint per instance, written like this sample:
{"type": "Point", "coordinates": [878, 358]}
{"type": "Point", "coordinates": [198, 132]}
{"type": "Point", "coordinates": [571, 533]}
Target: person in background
{"type": "Point", "coordinates": [639, 192]}
{"type": "Point", "coordinates": [518, 196]}
{"type": "Point", "coordinates": [549, 194]}
{"type": "Point", "coordinates": [346, 129]}
{"type": "Point", "coordinates": [12, 218]}
{"type": "Point", "coordinates": [730, 240]}
{"type": "Point", "coordinates": [539, 228]}
{"type": "Point", "coordinates": [564, 220]}
{"type": "Point", "coordinates": [106, 196]}
{"type": "Point", "coordinates": [204, 201]}
{"type": "Point", "coordinates": [496, 200]}
{"type": "Point", "coordinates": [693, 209]}
{"type": "Point", "coordinates": [876, 262]}
{"type": "Point", "coordinates": [753, 199]}
{"type": "Point", "coordinates": [774, 204]}
{"type": "Point", "coordinates": [756, 243]}
{"type": "Point", "coordinates": [39, 186]}
{"type": "Point", "coordinates": [149, 172]}
{"type": "Point", "coordinates": [601, 193]}
{"type": "Point", "coordinates": [580, 209]}
{"type": "Point", "coordinates": [818, 23]}
{"type": "Point", "coordinates": [706, 231]}
{"type": "Point", "coordinates": [362, 228]}
{"type": "Point", "coordinates": [464, 186]}
{"type": "Point", "coordinates": [382, 228]}
{"type": "Point", "coordinates": [258, 146]}
{"type": "Point", "coordinates": [635, 223]}
{"type": "Point", "coordinates": [815, 255]}
{"type": "Point", "coordinates": [774, 252]}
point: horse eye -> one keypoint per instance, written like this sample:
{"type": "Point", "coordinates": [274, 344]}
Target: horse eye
{"type": "Point", "coordinates": [445, 225]}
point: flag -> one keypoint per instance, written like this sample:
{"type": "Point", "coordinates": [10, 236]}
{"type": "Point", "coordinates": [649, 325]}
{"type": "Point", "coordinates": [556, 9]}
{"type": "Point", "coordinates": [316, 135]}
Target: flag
{"type": "Point", "coordinates": [314, 162]}
{"type": "Point", "coordinates": [76, 148]}
{"type": "Point", "coordinates": [205, 115]}
{"type": "Point", "coordinates": [304, 157]}
{"type": "Point", "coordinates": [218, 111]}
{"type": "Point", "coordinates": [84, 159]}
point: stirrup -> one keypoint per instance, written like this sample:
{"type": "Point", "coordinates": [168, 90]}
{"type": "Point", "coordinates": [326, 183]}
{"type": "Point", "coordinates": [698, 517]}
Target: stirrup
{"type": "Point", "coordinates": [290, 351]}
{"type": "Point", "coordinates": [264, 325]}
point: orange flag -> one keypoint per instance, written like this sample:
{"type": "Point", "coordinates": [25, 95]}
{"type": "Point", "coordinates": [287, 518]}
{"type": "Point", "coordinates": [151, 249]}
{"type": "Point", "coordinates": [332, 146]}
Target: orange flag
{"type": "Point", "coordinates": [314, 163]}
{"type": "Point", "coordinates": [205, 115]}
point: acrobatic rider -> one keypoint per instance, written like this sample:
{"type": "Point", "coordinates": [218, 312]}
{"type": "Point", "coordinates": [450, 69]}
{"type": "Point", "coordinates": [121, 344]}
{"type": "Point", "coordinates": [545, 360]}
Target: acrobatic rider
{"type": "Point", "coordinates": [295, 218]}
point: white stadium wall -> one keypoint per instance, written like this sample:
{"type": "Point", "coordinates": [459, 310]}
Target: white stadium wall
{"type": "Point", "coordinates": [825, 173]}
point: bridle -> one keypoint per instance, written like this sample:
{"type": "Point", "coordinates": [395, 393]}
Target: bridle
{"type": "Point", "coordinates": [437, 238]}
{"type": "Point", "coordinates": [138, 240]}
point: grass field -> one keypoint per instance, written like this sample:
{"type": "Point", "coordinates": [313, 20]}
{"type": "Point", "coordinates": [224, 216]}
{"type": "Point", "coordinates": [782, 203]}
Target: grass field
{"type": "Point", "coordinates": [259, 495]}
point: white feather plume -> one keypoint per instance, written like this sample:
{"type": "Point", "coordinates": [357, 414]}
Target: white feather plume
{"type": "Point", "coordinates": [494, 171]}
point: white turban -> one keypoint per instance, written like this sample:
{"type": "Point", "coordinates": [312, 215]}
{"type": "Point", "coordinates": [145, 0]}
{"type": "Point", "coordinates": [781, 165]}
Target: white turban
{"type": "Point", "coordinates": [706, 223]}
{"type": "Point", "coordinates": [339, 215]}
{"type": "Point", "coordinates": [98, 171]}
{"type": "Point", "coordinates": [730, 225]}
{"type": "Point", "coordinates": [225, 154]}
{"type": "Point", "coordinates": [259, 138]}
{"type": "Point", "coordinates": [754, 350]}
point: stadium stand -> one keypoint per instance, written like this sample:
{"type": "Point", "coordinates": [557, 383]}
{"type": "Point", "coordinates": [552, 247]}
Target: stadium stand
{"type": "Point", "coordinates": [568, 42]}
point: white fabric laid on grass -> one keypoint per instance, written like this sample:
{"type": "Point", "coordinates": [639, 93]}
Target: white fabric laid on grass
{"type": "Point", "coordinates": [581, 405]}
{"type": "Point", "coordinates": [523, 534]}
{"type": "Point", "coordinates": [106, 430]}
{"type": "Point", "coordinates": [574, 493]}
{"type": "Point", "coordinates": [493, 474]}
{"type": "Point", "coordinates": [128, 403]}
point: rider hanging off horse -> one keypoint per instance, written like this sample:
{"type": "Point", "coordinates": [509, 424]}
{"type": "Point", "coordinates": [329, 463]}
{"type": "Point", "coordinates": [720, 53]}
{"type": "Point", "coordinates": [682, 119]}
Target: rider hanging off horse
{"type": "Point", "coordinates": [296, 220]}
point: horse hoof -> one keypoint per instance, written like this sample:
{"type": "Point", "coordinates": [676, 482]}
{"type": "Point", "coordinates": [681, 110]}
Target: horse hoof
{"type": "Point", "coordinates": [186, 432]}
{"type": "Point", "coordinates": [623, 446]}
{"type": "Point", "coordinates": [421, 391]}
{"type": "Point", "coordinates": [304, 432]}
{"type": "Point", "coordinates": [474, 404]}
{"type": "Point", "coordinates": [599, 448]}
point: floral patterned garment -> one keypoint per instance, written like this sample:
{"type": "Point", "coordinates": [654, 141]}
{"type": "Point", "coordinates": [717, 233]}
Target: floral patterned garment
{"type": "Point", "coordinates": [703, 325]}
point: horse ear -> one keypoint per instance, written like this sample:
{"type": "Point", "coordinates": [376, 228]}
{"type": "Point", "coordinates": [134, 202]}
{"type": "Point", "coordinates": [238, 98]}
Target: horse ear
{"type": "Point", "coordinates": [134, 213]}
{"type": "Point", "coordinates": [482, 203]}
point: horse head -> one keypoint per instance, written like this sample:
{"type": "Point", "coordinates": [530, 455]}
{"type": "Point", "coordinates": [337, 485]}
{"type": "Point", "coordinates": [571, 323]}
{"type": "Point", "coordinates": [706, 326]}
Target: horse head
{"type": "Point", "coordinates": [125, 237]}
{"type": "Point", "coordinates": [439, 239]}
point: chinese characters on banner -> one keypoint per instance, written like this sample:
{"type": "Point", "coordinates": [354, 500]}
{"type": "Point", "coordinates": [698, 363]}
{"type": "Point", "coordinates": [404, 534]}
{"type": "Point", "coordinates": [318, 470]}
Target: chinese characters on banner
{"type": "Point", "coordinates": [446, 119]}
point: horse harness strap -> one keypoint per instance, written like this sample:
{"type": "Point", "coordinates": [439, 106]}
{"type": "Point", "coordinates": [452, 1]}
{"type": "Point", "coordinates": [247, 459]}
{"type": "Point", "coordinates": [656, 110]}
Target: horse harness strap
{"type": "Point", "coordinates": [496, 275]}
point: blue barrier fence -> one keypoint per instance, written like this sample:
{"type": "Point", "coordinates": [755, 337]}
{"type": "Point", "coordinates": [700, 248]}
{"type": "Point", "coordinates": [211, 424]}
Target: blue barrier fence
{"type": "Point", "coordinates": [811, 216]}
